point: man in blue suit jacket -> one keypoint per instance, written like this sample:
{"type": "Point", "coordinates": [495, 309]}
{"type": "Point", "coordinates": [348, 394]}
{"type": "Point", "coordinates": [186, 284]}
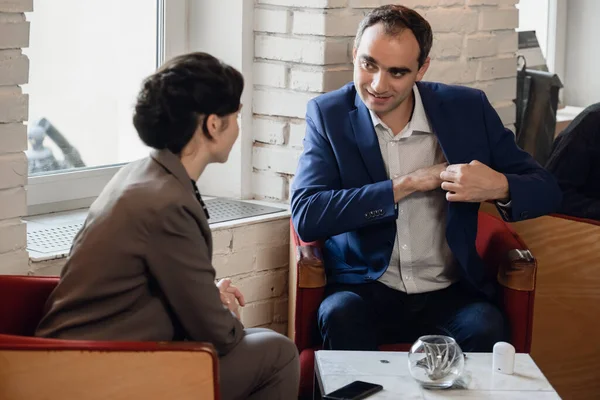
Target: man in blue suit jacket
{"type": "Point", "coordinates": [391, 177]}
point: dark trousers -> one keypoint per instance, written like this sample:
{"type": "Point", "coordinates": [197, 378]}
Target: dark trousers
{"type": "Point", "coordinates": [361, 317]}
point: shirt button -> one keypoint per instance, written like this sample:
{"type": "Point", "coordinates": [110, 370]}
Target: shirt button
{"type": "Point", "coordinates": [404, 247]}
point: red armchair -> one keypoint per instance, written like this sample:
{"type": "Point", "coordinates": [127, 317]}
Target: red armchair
{"type": "Point", "coordinates": [34, 368]}
{"type": "Point", "coordinates": [501, 249]}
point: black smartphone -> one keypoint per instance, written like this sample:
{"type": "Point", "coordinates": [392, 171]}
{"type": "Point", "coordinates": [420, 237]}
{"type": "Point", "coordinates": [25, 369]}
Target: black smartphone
{"type": "Point", "coordinates": [354, 391]}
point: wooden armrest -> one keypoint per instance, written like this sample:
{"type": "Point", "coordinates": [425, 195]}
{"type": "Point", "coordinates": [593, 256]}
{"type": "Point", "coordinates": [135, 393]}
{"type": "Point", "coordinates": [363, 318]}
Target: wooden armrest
{"type": "Point", "coordinates": [311, 270]}
{"type": "Point", "coordinates": [108, 370]}
{"type": "Point", "coordinates": [519, 270]}
{"type": "Point", "coordinates": [576, 219]}
{"type": "Point", "coordinates": [15, 342]}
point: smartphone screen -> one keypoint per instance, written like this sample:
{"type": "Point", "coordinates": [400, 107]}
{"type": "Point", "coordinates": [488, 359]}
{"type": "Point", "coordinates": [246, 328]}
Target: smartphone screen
{"type": "Point", "coordinates": [354, 391]}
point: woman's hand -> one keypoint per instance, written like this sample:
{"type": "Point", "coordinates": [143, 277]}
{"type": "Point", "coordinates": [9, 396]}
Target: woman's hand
{"type": "Point", "coordinates": [231, 296]}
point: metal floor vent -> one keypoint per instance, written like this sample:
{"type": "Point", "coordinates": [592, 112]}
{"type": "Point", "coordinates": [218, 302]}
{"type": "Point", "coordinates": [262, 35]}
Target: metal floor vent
{"type": "Point", "coordinates": [51, 240]}
{"type": "Point", "coordinates": [58, 238]}
{"type": "Point", "coordinates": [221, 210]}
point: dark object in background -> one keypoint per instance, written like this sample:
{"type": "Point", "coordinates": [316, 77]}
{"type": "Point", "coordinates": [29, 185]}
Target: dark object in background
{"type": "Point", "coordinates": [575, 162]}
{"type": "Point", "coordinates": [40, 158]}
{"type": "Point", "coordinates": [537, 102]}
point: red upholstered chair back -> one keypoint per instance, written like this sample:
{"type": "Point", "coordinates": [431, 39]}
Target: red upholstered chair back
{"type": "Point", "coordinates": [22, 300]}
{"type": "Point", "coordinates": [178, 370]}
{"type": "Point", "coordinates": [495, 240]}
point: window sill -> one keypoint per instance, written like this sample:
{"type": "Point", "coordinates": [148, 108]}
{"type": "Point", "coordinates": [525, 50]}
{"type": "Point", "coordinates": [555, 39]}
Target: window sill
{"type": "Point", "coordinates": [45, 221]}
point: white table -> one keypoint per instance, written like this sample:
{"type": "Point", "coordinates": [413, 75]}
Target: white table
{"type": "Point", "coordinates": [335, 369]}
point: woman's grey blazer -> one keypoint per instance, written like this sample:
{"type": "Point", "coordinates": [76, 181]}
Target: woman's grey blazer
{"type": "Point", "coordinates": [140, 268]}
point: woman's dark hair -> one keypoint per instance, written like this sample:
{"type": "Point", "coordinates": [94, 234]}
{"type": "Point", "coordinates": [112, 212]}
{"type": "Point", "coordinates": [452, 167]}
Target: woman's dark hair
{"type": "Point", "coordinates": [395, 19]}
{"type": "Point", "coordinates": [181, 91]}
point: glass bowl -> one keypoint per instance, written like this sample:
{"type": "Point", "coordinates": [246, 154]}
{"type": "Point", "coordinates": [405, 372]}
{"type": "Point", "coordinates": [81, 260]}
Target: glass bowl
{"type": "Point", "coordinates": [436, 361]}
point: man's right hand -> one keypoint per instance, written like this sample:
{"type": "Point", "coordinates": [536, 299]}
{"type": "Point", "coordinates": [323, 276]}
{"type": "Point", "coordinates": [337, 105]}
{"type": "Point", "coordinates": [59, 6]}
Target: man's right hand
{"type": "Point", "coordinates": [421, 180]}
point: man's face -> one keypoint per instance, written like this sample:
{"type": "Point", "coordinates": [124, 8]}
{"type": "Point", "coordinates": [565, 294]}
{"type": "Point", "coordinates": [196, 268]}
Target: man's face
{"type": "Point", "coordinates": [386, 68]}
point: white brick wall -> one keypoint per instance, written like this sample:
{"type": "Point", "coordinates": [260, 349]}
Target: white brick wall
{"type": "Point", "coordinates": [303, 48]}
{"type": "Point", "coordinates": [14, 71]}
{"type": "Point", "coordinates": [256, 258]}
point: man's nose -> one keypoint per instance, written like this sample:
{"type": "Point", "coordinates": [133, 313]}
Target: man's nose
{"type": "Point", "coordinates": [379, 83]}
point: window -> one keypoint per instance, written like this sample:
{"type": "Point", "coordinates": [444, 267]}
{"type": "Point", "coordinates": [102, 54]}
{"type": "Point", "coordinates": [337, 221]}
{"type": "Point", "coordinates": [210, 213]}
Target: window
{"type": "Point", "coordinates": [533, 16]}
{"type": "Point", "coordinates": [548, 18]}
{"type": "Point", "coordinates": [87, 62]}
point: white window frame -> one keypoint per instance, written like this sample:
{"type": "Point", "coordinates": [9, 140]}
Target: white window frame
{"type": "Point", "coordinates": [225, 29]}
{"type": "Point", "coordinates": [77, 189]}
{"type": "Point", "coordinates": [557, 37]}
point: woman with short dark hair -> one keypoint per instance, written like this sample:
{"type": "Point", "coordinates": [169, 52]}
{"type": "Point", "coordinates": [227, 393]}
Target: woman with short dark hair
{"type": "Point", "coordinates": [140, 268]}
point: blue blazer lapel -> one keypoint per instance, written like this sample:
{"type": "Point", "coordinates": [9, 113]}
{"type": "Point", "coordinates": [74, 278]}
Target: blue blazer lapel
{"type": "Point", "coordinates": [441, 123]}
{"type": "Point", "coordinates": [367, 142]}
{"type": "Point", "coordinates": [455, 151]}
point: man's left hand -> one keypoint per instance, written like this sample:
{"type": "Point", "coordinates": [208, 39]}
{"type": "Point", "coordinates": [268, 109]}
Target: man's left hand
{"type": "Point", "coordinates": [474, 182]}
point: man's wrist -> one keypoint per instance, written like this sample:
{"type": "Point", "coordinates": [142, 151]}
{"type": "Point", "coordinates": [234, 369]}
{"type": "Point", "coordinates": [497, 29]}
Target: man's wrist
{"type": "Point", "coordinates": [503, 195]}
{"type": "Point", "coordinates": [402, 187]}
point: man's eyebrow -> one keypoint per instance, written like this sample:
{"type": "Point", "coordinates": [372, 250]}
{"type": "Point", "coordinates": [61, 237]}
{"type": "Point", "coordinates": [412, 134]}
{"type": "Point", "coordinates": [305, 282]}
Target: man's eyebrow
{"type": "Point", "coordinates": [399, 70]}
{"type": "Point", "coordinates": [368, 59]}
{"type": "Point", "coordinates": [391, 70]}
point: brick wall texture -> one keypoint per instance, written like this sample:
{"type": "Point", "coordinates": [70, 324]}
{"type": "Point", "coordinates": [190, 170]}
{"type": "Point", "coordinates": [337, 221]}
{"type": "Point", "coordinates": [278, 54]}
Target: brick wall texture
{"type": "Point", "coordinates": [14, 71]}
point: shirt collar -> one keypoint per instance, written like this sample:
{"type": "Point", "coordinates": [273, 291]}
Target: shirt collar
{"type": "Point", "coordinates": [418, 122]}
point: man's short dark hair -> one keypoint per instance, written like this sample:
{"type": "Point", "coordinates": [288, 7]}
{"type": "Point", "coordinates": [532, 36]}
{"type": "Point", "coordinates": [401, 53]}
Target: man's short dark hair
{"type": "Point", "coordinates": [395, 19]}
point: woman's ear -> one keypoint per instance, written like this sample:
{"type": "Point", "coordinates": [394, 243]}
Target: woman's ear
{"type": "Point", "coordinates": [213, 125]}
